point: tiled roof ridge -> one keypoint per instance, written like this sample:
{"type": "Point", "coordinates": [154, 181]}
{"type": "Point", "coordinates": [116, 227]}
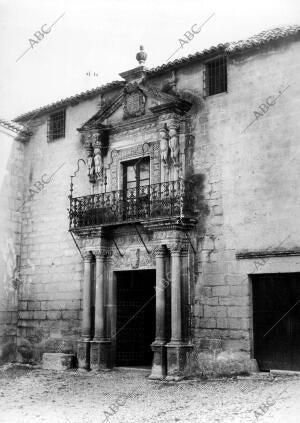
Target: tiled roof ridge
{"type": "Point", "coordinates": [254, 41]}
{"type": "Point", "coordinates": [14, 126]}
{"type": "Point", "coordinates": [85, 94]}
{"type": "Point", "coordinates": [235, 46]}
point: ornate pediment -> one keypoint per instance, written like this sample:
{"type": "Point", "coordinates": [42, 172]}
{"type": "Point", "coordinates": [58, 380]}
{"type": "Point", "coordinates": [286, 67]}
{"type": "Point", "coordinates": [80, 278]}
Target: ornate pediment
{"type": "Point", "coordinates": [137, 101]}
{"type": "Point", "coordinates": [138, 105]}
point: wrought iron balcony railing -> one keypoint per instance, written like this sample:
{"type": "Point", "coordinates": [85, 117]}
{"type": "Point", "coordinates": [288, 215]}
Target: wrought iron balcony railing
{"type": "Point", "coordinates": [167, 199]}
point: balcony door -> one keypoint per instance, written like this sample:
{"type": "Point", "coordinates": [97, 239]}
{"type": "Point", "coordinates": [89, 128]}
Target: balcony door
{"type": "Point", "coordinates": [136, 186]}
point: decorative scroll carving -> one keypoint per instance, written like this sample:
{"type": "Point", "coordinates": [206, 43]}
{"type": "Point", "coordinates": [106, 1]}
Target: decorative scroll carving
{"type": "Point", "coordinates": [135, 265]}
{"type": "Point", "coordinates": [133, 259]}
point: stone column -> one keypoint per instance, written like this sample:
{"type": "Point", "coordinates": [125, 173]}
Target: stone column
{"type": "Point", "coordinates": [158, 346]}
{"type": "Point", "coordinates": [176, 295]}
{"type": "Point", "coordinates": [98, 345]}
{"type": "Point", "coordinates": [86, 325]}
{"type": "Point", "coordinates": [110, 310]}
{"type": "Point", "coordinates": [99, 296]}
{"type": "Point", "coordinates": [177, 349]}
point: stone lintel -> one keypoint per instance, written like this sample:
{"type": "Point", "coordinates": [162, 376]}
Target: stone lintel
{"type": "Point", "coordinates": [169, 224]}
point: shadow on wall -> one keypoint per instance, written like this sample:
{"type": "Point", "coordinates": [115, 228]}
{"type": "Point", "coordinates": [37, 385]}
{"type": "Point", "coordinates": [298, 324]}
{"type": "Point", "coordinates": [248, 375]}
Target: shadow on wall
{"type": "Point", "coordinates": [200, 204]}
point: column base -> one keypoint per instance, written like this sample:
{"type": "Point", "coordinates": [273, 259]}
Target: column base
{"type": "Point", "coordinates": [101, 354]}
{"type": "Point", "coordinates": [177, 353]}
{"type": "Point", "coordinates": [159, 364]}
{"type": "Point", "coordinates": [83, 354]}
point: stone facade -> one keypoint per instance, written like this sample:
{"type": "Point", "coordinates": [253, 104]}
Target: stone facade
{"type": "Point", "coordinates": [245, 195]}
{"type": "Point", "coordinates": [11, 165]}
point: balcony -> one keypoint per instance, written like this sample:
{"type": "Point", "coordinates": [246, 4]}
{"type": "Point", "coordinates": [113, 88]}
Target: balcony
{"type": "Point", "coordinates": [164, 200]}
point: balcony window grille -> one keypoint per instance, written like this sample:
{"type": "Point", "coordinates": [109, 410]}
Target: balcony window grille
{"type": "Point", "coordinates": [136, 203]}
{"type": "Point", "coordinates": [56, 126]}
{"type": "Point", "coordinates": [215, 81]}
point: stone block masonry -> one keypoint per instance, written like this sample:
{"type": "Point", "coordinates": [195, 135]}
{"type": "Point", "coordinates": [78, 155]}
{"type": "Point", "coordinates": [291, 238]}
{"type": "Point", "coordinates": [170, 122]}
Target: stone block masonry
{"type": "Point", "coordinates": [58, 361]}
{"type": "Point", "coordinates": [247, 196]}
{"type": "Point", "coordinates": [11, 188]}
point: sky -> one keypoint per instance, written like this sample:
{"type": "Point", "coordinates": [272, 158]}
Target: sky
{"type": "Point", "coordinates": [102, 37]}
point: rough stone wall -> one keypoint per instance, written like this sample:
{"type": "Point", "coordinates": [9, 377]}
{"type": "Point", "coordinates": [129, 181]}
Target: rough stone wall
{"type": "Point", "coordinates": [250, 188]}
{"type": "Point", "coordinates": [11, 180]}
{"type": "Point", "coordinates": [51, 266]}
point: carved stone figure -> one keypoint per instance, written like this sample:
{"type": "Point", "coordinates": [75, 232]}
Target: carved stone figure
{"type": "Point", "coordinates": [164, 145]}
{"type": "Point", "coordinates": [98, 160]}
{"type": "Point", "coordinates": [90, 163]}
{"type": "Point", "coordinates": [174, 142]}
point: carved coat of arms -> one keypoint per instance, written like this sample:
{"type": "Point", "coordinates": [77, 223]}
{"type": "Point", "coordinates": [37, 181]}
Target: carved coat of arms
{"type": "Point", "coordinates": [134, 101]}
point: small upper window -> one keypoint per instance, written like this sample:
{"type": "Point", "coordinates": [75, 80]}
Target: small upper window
{"type": "Point", "coordinates": [56, 125]}
{"type": "Point", "coordinates": [216, 76]}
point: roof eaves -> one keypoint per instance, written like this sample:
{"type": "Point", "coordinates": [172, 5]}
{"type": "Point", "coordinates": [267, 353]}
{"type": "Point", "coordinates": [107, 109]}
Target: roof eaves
{"type": "Point", "coordinates": [258, 40]}
{"type": "Point", "coordinates": [68, 101]}
{"type": "Point", "coordinates": [14, 127]}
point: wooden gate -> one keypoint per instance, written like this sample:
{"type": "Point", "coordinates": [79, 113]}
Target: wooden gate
{"type": "Point", "coordinates": [276, 320]}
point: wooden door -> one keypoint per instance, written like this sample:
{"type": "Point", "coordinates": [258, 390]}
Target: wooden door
{"type": "Point", "coordinates": [276, 320]}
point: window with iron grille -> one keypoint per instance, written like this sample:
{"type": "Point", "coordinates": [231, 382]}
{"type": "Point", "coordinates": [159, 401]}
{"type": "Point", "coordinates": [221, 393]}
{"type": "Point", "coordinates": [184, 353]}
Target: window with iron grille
{"type": "Point", "coordinates": [216, 76]}
{"type": "Point", "coordinates": [56, 125]}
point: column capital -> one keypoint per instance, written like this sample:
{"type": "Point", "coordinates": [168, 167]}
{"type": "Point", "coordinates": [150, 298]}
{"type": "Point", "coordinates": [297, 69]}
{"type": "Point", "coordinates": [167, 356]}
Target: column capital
{"type": "Point", "coordinates": [184, 250]}
{"type": "Point", "coordinates": [178, 249]}
{"type": "Point", "coordinates": [109, 255]}
{"type": "Point", "coordinates": [100, 254]}
{"type": "Point", "coordinates": [160, 251]}
{"type": "Point", "coordinates": [88, 256]}
{"type": "Point", "coordinates": [175, 249]}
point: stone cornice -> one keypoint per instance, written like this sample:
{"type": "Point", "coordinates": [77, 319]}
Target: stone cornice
{"type": "Point", "coordinates": [266, 253]}
{"type": "Point", "coordinates": [139, 122]}
{"type": "Point", "coordinates": [170, 223]}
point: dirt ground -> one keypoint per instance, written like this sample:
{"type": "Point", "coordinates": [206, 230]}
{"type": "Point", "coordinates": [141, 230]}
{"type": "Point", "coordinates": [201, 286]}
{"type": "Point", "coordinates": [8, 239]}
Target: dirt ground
{"type": "Point", "coordinates": [30, 394]}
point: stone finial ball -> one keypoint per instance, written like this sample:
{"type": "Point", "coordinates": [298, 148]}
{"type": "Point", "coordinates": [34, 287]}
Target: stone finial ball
{"type": "Point", "coordinates": [141, 56]}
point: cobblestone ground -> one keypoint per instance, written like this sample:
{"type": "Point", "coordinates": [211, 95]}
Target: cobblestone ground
{"type": "Point", "coordinates": [30, 394]}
